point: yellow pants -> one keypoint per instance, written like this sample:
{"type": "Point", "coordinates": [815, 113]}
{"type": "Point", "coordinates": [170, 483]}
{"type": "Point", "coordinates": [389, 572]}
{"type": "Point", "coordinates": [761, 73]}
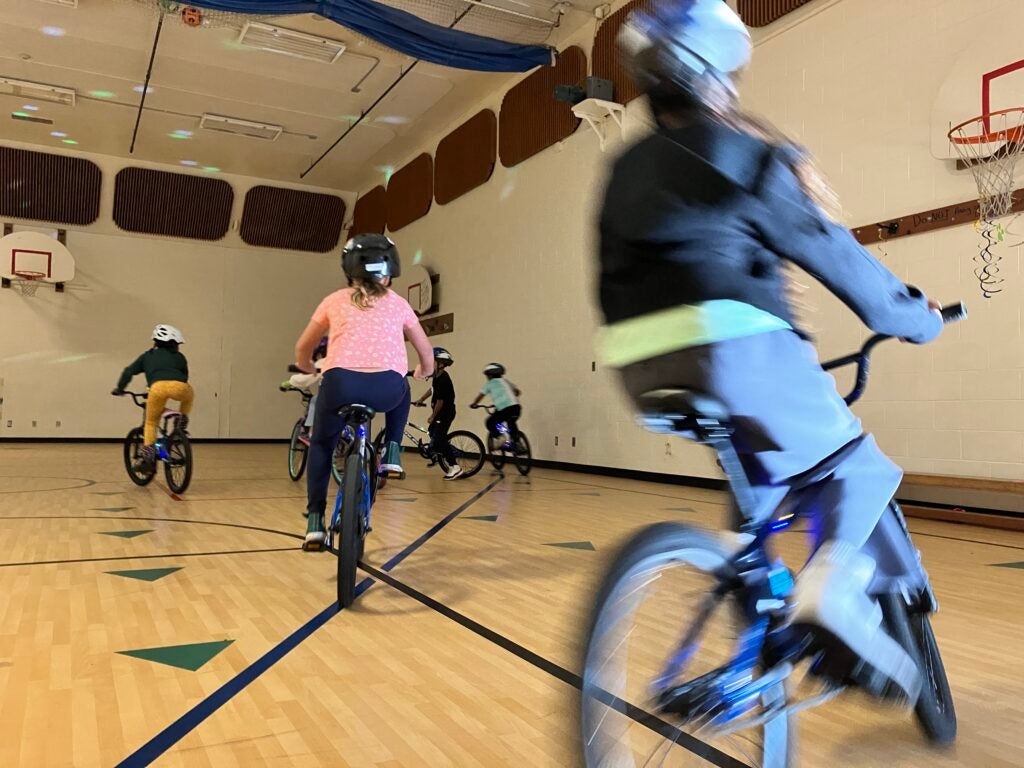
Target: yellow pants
{"type": "Point", "coordinates": [159, 394]}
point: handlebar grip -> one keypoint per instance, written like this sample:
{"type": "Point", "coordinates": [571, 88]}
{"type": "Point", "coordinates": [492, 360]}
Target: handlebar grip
{"type": "Point", "coordinates": [954, 312]}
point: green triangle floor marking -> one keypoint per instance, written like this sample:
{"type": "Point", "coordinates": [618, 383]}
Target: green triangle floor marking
{"type": "Point", "coordinates": [1009, 565]}
{"type": "Point", "coordinates": [587, 493]}
{"type": "Point", "coordinates": [679, 509]}
{"type": "Point", "coordinates": [574, 545]}
{"type": "Point", "coordinates": [190, 657]}
{"type": "Point", "coordinates": [111, 509]}
{"type": "Point", "coordinates": [108, 493]}
{"type": "Point", "coordinates": [125, 534]}
{"type": "Point", "coordinates": [146, 574]}
{"type": "Point", "coordinates": [487, 518]}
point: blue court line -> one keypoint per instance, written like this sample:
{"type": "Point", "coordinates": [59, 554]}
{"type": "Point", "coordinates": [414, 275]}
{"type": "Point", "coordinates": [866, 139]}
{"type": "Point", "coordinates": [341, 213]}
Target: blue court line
{"type": "Point", "coordinates": [176, 731]}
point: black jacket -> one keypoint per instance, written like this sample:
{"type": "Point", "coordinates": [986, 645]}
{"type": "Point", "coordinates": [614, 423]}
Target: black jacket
{"type": "Point", "coordinates": [706, 212]}
{"type": "Point", "coordinates": [159, 365]}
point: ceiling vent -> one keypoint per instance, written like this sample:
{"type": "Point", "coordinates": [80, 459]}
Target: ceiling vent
{"type": "Point", "coordinates": [62, 3]}
{"type": "Point", "coordinates": [299, 45]}
{"type": "Point", "coordinates": [240, 127]}
{"type": "Point", "coordinates": [37, 91]}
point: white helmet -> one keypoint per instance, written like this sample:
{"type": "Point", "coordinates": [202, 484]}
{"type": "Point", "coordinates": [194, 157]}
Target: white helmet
{"type": "Point", "coordinates": [168, 333]}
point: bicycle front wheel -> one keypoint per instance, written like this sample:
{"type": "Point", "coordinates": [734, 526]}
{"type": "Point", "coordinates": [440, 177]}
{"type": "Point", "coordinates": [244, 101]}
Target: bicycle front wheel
{"type": "Point", "coordinates": [133, 443]}
{"type": "Point", "coordinates": [654, 685]}
{"type": "Point", "coordinates": [469, 451]}
{"type": "Point", "coordinates": [934, 710]}
{"type": "Point", "coordinates": [298, 451]}
{"type": "Point", "coordinates": [496, 452]}
{"type": "Point", "coordinates": [178, 465]}
{"type": "Point", "coordinates": [353, 499]}
{"type": "Point", "coordinates": [524, 457]}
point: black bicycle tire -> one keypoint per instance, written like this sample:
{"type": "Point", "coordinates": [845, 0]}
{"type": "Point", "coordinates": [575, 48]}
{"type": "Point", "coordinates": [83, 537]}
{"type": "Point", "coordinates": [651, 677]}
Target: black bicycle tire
{"type": "Point", "coordinates": [296, 475]}
{"type": "Point", "coordinates": [130, 457]}
{"type": "Point", "coordinates": [177, 436]}
{"type": "Point", "coordinates": [498, 457]}
{"type": "Point", "coordinates": [935, 712]}
{"type": "Point", "coordinates": [652, 541]}
{"type": "Point", "coordinates": [348, 536]}
{"type": "Point", "coordinates": [481, 454]}
{"type": "Point", "coordinates": [524, 464]}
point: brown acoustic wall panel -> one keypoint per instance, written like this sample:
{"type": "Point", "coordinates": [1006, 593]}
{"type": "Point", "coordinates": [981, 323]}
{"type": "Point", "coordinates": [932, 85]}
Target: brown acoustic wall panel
{"type": "Point", "coordinates": [760, 13]}
{"type": "Point", "coordinates": [410, 192]}
{"type": "Point", "coordinates": [608, 61]}
{"type": "Point", "coordinates": [46, 187]}
{"type": "Point", "coordinates": [289, 218]}
{"type": "Point", "coordinates": [531, 120]}
{"type": "Point", "coordinates": [172, 204]}
{"type": "Point", "coordinates": [371, 214]}
{"type": "Point", "coordinates": [465, 157]}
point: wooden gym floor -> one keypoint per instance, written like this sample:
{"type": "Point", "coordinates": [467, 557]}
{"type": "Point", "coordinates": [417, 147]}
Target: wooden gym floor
{"type": "Point", "coordinates": [466, 658]}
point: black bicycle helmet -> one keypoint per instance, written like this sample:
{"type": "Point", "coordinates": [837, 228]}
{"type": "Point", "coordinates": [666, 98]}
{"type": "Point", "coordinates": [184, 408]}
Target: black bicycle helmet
{"type": "Point", "coordinates": [370, 257]}
{"type": "Point", "coordinates": [494, 370]}
{"type": "Point", "coordinates": [443, 355]}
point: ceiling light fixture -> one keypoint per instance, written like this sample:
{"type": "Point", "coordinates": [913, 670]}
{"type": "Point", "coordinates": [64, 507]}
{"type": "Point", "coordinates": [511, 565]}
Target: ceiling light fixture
{"type": "Point", "coordinates": [37, 91]}
{"type": "Point", "coordinates": [239, 127]}
{"type": "Point", "coordinates": [288, 42]}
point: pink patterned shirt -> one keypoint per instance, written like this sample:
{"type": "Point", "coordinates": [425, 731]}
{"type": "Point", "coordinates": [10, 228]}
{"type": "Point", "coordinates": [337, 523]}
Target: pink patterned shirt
{"type": "Point", "coordinates": [371, 338]}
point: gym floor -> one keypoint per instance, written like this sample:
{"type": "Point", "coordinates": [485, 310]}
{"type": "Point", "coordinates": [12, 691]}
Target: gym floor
{"type": "Point", "coordinates": [137, 628]}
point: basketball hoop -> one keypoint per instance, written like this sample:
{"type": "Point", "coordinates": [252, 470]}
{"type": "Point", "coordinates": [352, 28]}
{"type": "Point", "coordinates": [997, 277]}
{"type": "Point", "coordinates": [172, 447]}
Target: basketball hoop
{"type": "Point", "coordinates": [27, 282]}
{"type": "Point", "coordinates": [990, 146]}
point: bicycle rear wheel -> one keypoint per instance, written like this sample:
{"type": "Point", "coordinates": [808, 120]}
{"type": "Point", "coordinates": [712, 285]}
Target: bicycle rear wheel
{"type": "Point", "coordinates": [636, 661]}
{"type": "Point", "coordinates": [178, 465]}
{"type": "Point", "coordinates": [133, 443]}
{"type": "Point", "coordinates": [469, 451]}
{"type": "Point", "coordinates": [298, 451]}
{"type": "Point", "coordinates": [524, 457]}
{"type": "Point", "coordinates": [353, 494]}
{"type": "Point", "coordinates": [935, 711]}
{"type": "Point", "coordinates": [338, 459]}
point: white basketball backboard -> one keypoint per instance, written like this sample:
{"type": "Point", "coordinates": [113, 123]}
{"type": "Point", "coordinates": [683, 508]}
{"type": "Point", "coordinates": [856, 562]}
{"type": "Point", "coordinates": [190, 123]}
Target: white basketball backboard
{"type": "Point", "coordinates": [35, 253]}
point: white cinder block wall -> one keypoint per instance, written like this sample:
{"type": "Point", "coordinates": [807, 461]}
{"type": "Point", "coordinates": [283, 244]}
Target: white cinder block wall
{"type": "Point", "coordinates": [240, 308]}
{"type": "Point", "coordinates": [852, 79]}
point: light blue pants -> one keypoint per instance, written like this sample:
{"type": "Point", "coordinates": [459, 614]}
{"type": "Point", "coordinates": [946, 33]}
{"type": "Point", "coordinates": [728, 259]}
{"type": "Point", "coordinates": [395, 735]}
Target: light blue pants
{"type": "Point", "coordinates": [789, 418]}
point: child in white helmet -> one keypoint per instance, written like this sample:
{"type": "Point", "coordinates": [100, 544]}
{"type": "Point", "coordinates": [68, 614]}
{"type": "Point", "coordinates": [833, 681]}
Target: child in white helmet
{"type": "Point", "coordinates": [166, 371]}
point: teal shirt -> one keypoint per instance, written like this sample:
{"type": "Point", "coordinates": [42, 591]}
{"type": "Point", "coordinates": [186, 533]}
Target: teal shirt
{"type": "Point", "coordinates": [501, 393]}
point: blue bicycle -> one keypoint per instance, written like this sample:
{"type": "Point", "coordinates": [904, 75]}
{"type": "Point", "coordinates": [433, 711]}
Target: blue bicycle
{"type": "Point", "coordinates": [358, 484]}
{"type": "Point", "coordinates": [720, 691]}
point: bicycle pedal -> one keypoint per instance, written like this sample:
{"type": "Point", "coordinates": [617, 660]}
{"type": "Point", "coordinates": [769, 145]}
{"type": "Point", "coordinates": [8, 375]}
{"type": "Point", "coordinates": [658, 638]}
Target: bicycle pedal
{"type": "Point", "coordinates": [312, 546]}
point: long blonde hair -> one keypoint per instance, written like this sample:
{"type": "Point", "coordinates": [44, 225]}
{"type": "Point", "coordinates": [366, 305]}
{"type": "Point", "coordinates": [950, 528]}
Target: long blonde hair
{"type": "Point", "coordinates": [365, 293]}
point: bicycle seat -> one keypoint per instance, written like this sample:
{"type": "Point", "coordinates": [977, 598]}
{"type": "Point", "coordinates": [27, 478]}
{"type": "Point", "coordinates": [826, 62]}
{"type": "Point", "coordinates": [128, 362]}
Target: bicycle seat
{"type": "Point", "coordinates": [356, 414]}
{"type": "Point", "coordinates": [682, 411]}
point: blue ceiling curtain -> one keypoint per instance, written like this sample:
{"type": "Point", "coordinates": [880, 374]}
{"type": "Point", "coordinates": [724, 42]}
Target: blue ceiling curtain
{"type": "Point", "coordinates": [403, 32]}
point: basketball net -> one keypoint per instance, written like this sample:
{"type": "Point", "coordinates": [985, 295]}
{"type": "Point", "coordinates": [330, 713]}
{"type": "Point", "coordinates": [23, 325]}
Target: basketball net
{"type": "Point", "coordinates": [990, 146]}
{"type": "Point", "coordinates": [27, 284]}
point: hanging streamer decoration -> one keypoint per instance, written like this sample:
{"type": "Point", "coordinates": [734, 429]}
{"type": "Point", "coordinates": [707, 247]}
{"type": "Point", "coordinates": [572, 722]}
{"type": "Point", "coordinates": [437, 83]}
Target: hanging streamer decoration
{"type": "Point", "coordinates": [987, 270]}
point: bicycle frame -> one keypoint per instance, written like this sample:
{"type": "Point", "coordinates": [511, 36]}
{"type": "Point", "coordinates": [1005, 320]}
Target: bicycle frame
{"type": "Point", "coordinates": [359, 443]}
{"type": "Point", "coordinates": [734, 689]}
{"type": "Point", "coordinates": [140, 398]}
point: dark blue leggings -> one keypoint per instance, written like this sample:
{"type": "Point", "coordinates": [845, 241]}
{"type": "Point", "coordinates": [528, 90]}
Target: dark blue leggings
{"type": "Point", "coordinates": [385, 392]}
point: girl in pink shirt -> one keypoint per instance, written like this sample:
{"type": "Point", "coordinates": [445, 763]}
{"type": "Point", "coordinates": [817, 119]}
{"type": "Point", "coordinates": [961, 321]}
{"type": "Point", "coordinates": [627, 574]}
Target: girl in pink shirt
{"type": "Point", "coordinates": [367, 325]}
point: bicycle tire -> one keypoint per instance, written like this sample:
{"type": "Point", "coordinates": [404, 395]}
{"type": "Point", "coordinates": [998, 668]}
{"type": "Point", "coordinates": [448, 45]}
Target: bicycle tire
{"type": "Point", "coordinates": [524, 460]}
{"type": "Point", "coordinates": [471, 456]}
{"type": "Point", "coordinates": [653, 550]}
{"type": "Point", "coordinates": [298, 452]}
{"type": "Point", "coordinates": [349, 533]}
{"type": "Point", "coordinates": [498, 457]}
{"type": "Point", "coordinates": [133, 441]}
{"type": "Point", "coordinates": [934, 711]}
{"type": "Point", "coordinates": [179, 457]}
{"type": "Point", "coordinates": [338, 460]}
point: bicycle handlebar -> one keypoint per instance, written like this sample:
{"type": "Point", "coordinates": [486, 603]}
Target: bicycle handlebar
{"type": "Point", "coordinates": [950, 314]}
{"type": "Point", "coordinates": [138, 397]}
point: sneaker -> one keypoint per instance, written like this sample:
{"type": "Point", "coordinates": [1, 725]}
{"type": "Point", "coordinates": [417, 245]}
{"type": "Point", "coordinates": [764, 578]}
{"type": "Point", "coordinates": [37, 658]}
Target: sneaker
{"type": "Point", "coordinates": [392, 464]}
{"type": "Point", "coordinates": [315, 533]}
{"type": "Point", "coordinates": [831, 600]}
{"type": "Point", "coordinates": [145, 459]}
{"type": "Point", "coordinates": [453, 472]}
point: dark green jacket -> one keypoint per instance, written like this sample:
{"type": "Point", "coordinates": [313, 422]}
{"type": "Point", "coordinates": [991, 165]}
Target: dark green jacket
{"type": "Point", "coordinates": [158, 365]}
